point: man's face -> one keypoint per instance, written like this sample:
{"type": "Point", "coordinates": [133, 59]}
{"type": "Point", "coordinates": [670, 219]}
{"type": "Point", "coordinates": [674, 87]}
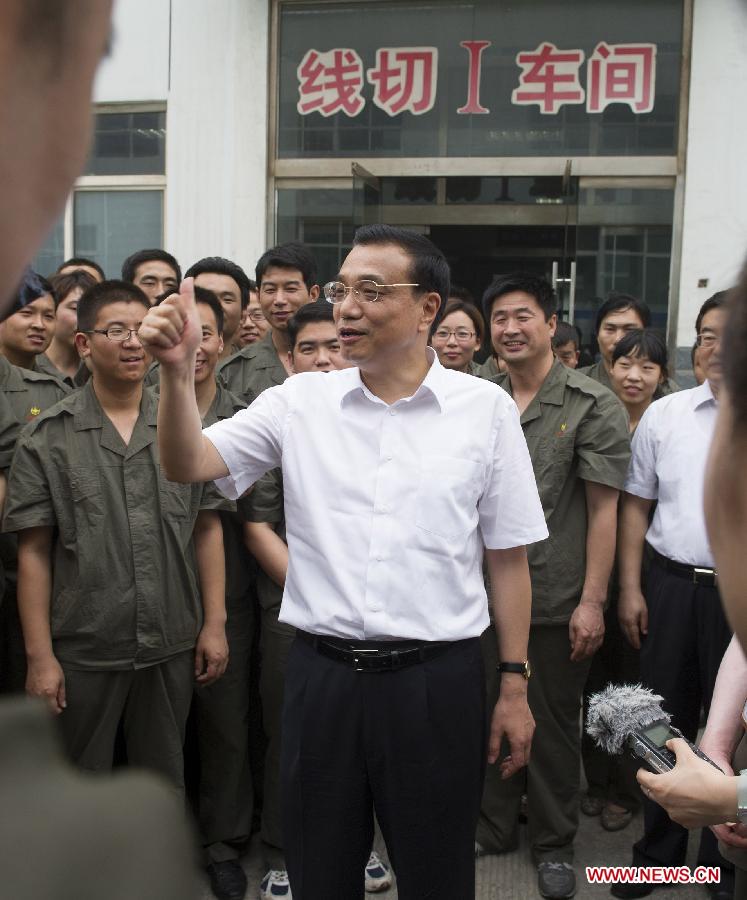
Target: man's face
{"type": "Point", "coordinates": [31, 329]}
{"type": "Point", "coordinates": [154, 277]}
{"type": "Point", "coordinates": [317, 349]}
{"type": "Point", "coordinates": [709, 355]}
{"type": "Point", "coordinates": [46, 77]}
{"type": "Point", "coordinates": [89, 270]}
{"type": "Point", "coordinates": [254, 324]}
{"type": "Point", "coordinates": [209, 351]}
{"type": "Point", "coordinates": [378, 335]}
{"type": "Point", "coordinates": [67, 317]}
{"type": "Point", "coordinates": [123, 362]}
{"type": "Point", "coordinates": [567, 354]}
{"type": "Point", "coordinates": [281, 293]}
{"type": "Point", "coordinates": [518, 328]}
{"type": "Point", "coordinates": [614, 326]}
{"type": "Point", "coordinates": [229, 294]}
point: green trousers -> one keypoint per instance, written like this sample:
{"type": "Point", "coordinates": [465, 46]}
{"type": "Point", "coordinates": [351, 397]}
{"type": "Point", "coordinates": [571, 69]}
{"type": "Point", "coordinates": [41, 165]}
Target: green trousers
{"type": "Point", "coordinates": [552, 778]}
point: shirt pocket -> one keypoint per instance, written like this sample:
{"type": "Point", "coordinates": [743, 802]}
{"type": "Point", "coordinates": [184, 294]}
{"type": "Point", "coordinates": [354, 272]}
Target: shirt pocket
{"type": "Point", "coordinates": [84, 484]}
{"type": "Point", "coordinates": [552, 463]}
{"type": "Point", "coordinates": [448, 491]}
{"type": "Point", "coordinates": [176, 500]}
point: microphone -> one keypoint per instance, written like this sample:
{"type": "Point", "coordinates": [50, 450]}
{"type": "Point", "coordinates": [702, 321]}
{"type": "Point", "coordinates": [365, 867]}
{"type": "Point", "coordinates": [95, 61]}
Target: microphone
{"type": "Point", "coordinates": [630, 717]}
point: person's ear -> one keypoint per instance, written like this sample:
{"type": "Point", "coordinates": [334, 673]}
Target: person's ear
{"type": "Point", "coordinates": [553, 324]}
{"type": "Point", "coordinates": [221, 345]}
{"type": "Point", "coordinates": [290, 362]}
{"type": "Point", "coordinates": [314, 292]}
{"type": "Point", "coordinates": [431, 306]}
{"type": "Point", "coordinates": [82, 344]}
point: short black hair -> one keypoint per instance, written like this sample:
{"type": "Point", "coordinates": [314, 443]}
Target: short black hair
{"type": "Point", "coordinates": [534, 285]}
{"type": "Point", "coordinates": [31, 287]}
{"type": "Point", "coordinates": [309, 313]}
{"type": "Point", "coordinates": [618, 302]}
{"type": "Point", "coordinates": [292, 255]}
{"type": "Point", "coordinates": [718, 300]}
{"type": "Point", "coordinates": [565, 332]}
{"type": "Point", "coordinates": [644, 343]}
{"type": "Point", "coordinates": [428, 266]}
{"type": "Point", "coordinates": [455, 304]}
{"type": "Point", "coordinates": [129, 266]}
{"type": "Point", "coordinates": [103, 294]}
{"type": "Point", "coordinates": [219, 265]}
{"type": "Point", "coordinates": [79, 261]}
{"type": "Point", "coordinates": [62, 285]}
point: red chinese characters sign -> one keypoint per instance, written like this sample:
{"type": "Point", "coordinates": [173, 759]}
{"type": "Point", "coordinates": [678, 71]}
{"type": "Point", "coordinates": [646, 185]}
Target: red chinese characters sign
{"type": "Point", "coordinates": [405, 79]}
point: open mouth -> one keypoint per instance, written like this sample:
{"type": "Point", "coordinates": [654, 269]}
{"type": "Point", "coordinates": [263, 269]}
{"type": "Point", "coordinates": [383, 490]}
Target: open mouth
{"type": "Point", "coordinates": [349, 334]}
{"type": "Point", "coordinates": [512, 346]}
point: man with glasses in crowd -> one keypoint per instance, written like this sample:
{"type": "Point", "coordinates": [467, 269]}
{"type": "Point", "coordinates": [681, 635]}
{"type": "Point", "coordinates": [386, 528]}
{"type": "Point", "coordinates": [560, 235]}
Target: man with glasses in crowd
{"type": "Point", "coordinates": [396, 473]}
{"type": "Point", "coordinates": [677, 620]}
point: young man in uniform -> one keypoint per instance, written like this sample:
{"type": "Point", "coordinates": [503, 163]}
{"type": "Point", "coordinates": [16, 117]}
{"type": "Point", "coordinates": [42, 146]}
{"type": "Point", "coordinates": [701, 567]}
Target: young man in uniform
{"type": "Point", "coordinates": [28, 326]}
{"type": "Point", "coordinates": [153, 271]}
{"type": "Point", "coordinates": [61, 359]}
{"type": "Point", "coordinates": [391, 493]}
{"type": "Point", "coordinates": [230, 284]}
{"type": "Point", "coordinates": [286, 279]}
{"type": "Point", "coordinates": [315, 347]}
{"type": "Point", "coordinates": [222, 709]}
{"type": "Point", "coordinates": [619, 314]}
{"type": "Point", "coordinates": [578, 440]}
{"type": "Point", "coordinates": [120, 572]}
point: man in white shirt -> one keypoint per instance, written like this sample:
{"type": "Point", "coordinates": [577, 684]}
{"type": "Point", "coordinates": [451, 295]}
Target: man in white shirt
{"type": "Point", "coordinates": [679, 624]}
{"type": "Point", "coordinates": [396, 473]}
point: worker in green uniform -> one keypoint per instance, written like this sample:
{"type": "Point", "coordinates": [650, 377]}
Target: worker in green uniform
{"type": "Point", "coordinates": [619, 314]}
{"type": "Point", "coordinates": [577, 435]}
{"type": "Point", "coordinates": [61, 358]}
{"type": "Point", "coordinates": [121, 575]}
{"type": "Point", "coordinates": [222, 709]}
{"type": "Point", "coordinates": [286, 280]}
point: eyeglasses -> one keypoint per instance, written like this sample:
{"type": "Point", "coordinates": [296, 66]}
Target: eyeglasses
{"type": "Point", "coordinates": [116, 333]}
{"type": "Point", "coordinates": [368, 291]}
{"type": "Point", "coordinates": [256, 315]}
{"type": "Point", "coordinates": [707, 339]}
{"type": "Point", "coordinates": [462, 335]}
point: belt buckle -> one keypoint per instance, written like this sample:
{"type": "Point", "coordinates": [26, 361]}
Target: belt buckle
{"type": "Point", "coordinates": [359, 657]}
{"type": "Point", "coordinates": [697, 571]}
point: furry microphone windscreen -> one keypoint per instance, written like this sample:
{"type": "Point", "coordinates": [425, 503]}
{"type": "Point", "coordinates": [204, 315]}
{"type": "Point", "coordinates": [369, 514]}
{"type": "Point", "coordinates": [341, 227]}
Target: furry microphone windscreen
{"type": "Point", "coordinates": [620, 709]}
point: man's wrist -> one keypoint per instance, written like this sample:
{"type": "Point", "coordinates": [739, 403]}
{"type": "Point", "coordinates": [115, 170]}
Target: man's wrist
{"type": "Point", "coordinates": [593, 599]}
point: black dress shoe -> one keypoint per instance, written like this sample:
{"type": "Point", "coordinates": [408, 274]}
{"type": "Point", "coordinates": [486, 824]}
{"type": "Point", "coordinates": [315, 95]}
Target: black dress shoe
{"type": "Point", "coordinates": [227, 880]}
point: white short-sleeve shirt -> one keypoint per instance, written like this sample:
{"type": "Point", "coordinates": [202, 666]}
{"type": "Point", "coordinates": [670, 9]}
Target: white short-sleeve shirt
{"type": "Point", "coordinates": [387, 507]}
{"type": "Point", "coordinates": [669, 453]}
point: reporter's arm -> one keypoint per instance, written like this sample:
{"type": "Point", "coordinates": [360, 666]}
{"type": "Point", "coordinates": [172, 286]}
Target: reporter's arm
{"type": "Point", "coordinates": [724, 728]}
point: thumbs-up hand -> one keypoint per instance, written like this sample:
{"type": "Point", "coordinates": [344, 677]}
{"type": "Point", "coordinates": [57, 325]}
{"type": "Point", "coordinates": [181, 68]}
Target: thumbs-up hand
{"type": "Point", "coordinates": [171, 332]}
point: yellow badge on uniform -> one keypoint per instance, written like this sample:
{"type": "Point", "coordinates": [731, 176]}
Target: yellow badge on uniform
{"type": "Point", "coordinates": [34, 411]}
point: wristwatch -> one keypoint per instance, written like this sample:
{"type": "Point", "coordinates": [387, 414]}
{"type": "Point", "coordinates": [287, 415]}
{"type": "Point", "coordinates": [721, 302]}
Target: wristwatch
{"type": "Point", "coordinates": [522, 668]}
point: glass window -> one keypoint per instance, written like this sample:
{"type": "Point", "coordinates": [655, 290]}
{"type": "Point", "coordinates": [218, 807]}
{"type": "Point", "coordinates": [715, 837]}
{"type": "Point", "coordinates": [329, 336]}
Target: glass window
{"type": "Point", "coordinates": [110, 225]}
{"type": "Point", "coordinates": [52, 252]}
{"type": "Point", "coordinates": [132, 143]}
{"type": "Point", "coordinates": [321, 219]}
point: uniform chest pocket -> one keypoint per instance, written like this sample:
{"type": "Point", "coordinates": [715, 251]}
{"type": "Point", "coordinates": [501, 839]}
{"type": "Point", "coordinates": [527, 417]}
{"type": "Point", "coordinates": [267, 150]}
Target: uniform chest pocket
{"type": "Point", "coordinates": [552, 462]}
{"type": "Point", "coordinates": [448, 491]}
{"type": "Point", "coordinates": [84, 485]}
{"type": "Point", "coordinates": [175, 500]}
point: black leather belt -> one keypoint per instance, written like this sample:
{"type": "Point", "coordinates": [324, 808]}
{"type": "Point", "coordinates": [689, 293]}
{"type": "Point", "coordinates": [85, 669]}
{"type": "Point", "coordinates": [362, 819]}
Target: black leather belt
{"type": "Point", "coordinates": [374, 656]}
{"type": "Point", "coordinates": [694, 574]}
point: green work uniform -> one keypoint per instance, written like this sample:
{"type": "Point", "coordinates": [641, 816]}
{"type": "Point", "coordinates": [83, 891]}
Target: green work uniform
{"type": "Point", "coordinates": [44, 364]}
{"type": "Point", "coordinates": [253, 370]}
{"type": "Point", "coordinates": [125, 607]}
{"type": "Point", "coordinates": [153, 375]}
{"type": "Point", "coordinates": [599, 373]}
{"type": "Point", "coordinates": [488, 369]}
{"type": "Point", "coordinates": [265, 504]}
{"type": "Point", "coordinates": [576, 431]}
{"type": "Point", "coordinates": [24, 395]}
{"type": "Point", "coordinates": [222, 709]}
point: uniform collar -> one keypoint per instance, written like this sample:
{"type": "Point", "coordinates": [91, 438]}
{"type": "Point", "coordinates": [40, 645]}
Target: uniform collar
{"type": "Point", "coordinates": [224, 405]}
{"type": "Point", "coordinates": [88, 414]}
{"type": "Point", "coordinates": [434, 384]}
{"type": "Point", "coordinates": [551, 392]}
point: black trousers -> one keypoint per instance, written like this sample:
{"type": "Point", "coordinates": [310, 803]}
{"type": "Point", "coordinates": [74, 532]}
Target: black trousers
{"type": "Point", "coordinates": [410, 745]}
{"type": "Point", "coordinates": [687, 637]}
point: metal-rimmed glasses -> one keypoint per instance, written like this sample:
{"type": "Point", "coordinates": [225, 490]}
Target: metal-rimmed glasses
{"type": "Point", "coordinates": [462, 335]}
{"type": "Point", "coordinates": [117, 333]}
{"type": "Point", "coordinates": [707, 339]}
{"type": "Point", "coordinates": [365, 290]}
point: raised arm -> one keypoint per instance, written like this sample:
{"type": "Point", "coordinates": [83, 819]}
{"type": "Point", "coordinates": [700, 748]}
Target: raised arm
{"type": "Point", "coordinates": [171, 332]}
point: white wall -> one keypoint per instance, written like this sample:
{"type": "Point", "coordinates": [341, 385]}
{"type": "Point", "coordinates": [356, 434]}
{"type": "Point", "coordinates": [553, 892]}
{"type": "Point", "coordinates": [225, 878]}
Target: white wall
{"type": "Point", "coordinates": [217, 130]}
{"type": "Point", "coordinates": [138, 67]}
{"type": "Point", "coordinates": [715, 220]}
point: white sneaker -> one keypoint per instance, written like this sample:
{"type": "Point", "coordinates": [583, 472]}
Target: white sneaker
{"type": "Point", "coordinates": [378, 874]}
{"type": "Point", "coordinates": [275, 884]}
